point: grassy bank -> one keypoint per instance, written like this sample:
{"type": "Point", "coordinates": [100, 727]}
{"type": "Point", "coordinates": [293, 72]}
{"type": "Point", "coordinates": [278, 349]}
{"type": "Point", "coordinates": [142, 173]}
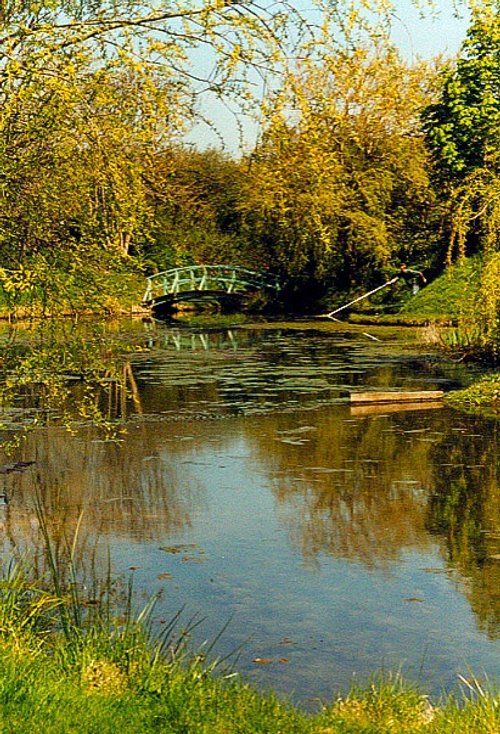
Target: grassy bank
{"type": "Point", "coordinates": [69, 666]}
{"type": "Point", "coordinates": [444, 298]}
{"type": "Point", "coordinates": [440, 302]}
{"type": "Point", "coordinates": [484, 393]}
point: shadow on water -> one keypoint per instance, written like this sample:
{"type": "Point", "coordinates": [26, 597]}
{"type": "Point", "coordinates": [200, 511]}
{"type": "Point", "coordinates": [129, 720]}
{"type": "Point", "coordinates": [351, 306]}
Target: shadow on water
{"type": "Point", "coordinates": [339, 540]}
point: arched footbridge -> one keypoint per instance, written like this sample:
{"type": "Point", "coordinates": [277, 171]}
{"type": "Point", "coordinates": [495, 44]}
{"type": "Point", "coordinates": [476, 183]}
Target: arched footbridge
{"type": "Point", "coordinates": [223, 284]}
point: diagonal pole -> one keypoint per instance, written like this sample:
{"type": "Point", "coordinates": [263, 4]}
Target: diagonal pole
{"type": "Point", "coordinates": [359, 298]}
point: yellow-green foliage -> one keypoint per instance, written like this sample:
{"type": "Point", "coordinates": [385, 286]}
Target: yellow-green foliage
{"type": "Point", "coordinates": [478, 329]}
{"type": "Point", "coordinates": [482, 394]}
{"type": "Point", "coordinates": [336, 187]}
{"type": "Point", "coordinates": [487, 302]}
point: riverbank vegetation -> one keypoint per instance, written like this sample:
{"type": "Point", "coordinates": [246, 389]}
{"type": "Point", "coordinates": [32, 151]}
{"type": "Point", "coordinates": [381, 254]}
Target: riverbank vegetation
{"type": "Point", "coordinates": [364, 160]}
{"type": "Point", "coordinates": [68, 664]}
{"type": "Point", "coordinates": [482, 394]}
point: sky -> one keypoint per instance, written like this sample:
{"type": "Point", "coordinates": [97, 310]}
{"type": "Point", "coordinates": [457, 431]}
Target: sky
{"type": "Point", "coordinates": [426, 37]}
{"type": "Point", "coordinates": [417, 35]}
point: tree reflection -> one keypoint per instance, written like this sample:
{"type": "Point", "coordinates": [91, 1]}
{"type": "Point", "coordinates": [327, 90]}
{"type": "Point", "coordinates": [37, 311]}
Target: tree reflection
{"type": "Point", "coordinates": [464, 508]}
{"type": "Point", "coordinates": [58, 372]}
{"type": "Point", "coordinates": [134, 492]}
{"type": "Point", "coordinates": [353, 490]}
{"type": "Point", "coordinates": [370, 489]}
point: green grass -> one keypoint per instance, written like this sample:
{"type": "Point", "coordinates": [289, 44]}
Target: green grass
{"type": "Point", "coordinates": [484, 393]}
{"type": "Point", "coordinates": [440, 302]}
{"type": "Point", "coordinates": [37, 693]}
{"type": "Point", "coordinates": [110, 675]}
{"type": "Point", "coordinates": [444, 297]}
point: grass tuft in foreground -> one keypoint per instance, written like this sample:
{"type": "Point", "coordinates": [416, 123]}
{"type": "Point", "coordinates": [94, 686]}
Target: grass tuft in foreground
{"type": "Point", "coordinates": [108, 674]}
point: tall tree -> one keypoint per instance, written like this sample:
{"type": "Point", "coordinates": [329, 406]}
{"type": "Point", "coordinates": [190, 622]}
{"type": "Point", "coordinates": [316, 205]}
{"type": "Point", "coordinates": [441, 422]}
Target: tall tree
{"type": "Point", "coordinates": [339, 180]}
{"type": "Point", "coordinates": [463, 133]}
{"type": "Point", "coordinates": [196, 197]}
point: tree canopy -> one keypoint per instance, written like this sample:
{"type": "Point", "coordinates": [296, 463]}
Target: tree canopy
{"type": "Point", "coordinates": [463, 132]}
{"type": "Point", "coordinates": [363, 160]}
{"type": "Point", "coordinates": [339, 179]}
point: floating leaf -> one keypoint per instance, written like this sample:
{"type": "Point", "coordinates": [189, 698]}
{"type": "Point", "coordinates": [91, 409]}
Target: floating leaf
{"type": "Point", "coordinates": [437, 570]}
{"type": "Point", "coordinates": [178, 548]}
{"type": "Point", "coordinates": [301, 429]}
{"type": "Point", "coordinates": [194, 559]}
{"type": "Point", "coordinates": [170, 549]}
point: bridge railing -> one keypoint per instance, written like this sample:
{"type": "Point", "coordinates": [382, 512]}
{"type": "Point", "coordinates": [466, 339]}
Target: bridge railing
{"type": "Point", "coordinates": [207, 277]}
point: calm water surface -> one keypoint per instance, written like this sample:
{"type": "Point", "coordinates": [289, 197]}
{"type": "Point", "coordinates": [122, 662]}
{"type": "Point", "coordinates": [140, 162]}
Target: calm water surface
{"type": "Point", "coordinates": [336, 541]}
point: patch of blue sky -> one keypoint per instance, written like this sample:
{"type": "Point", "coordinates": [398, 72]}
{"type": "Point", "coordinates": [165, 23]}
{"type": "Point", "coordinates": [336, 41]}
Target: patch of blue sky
{"type": "Point", "coordinates": [420, 30]}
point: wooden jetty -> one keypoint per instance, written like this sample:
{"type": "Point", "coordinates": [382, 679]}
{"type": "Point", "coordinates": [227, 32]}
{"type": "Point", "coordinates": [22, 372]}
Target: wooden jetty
{"type": "Point", "coordinates": [372, 397]}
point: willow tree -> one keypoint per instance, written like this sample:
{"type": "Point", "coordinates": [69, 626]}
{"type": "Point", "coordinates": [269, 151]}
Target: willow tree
{"type": "Point", "coordinates": [73, 150]}
{"type": "Point", "coordinates": [339, 187]}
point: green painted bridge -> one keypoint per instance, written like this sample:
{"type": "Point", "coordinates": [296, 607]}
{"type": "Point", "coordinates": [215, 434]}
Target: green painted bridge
{"type": "Point", "coordinates": [224, 285]}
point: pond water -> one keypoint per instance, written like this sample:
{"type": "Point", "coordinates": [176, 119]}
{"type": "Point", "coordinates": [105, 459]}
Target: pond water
{"type": "Point", "coordinates": [332, 541]}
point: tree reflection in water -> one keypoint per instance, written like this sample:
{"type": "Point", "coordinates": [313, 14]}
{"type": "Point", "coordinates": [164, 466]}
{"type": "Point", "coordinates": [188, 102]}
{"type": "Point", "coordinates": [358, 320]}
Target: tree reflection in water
{"type": "Point", "coordinates": [370, 489]}
{"type": "Point", "coordinates": [464, 508]}
{"type": "Point", "coordinates": [128, 491]}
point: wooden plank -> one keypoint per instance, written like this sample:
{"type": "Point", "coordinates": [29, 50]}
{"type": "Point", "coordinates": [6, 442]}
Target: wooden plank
{"type": "Point", "coordinates": [384, 408]}
{"type": "Point", "coordinates": [395, 397]}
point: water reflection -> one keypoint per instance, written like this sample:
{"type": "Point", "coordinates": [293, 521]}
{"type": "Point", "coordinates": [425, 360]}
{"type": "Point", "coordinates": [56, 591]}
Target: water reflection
{"type": "Point", "coordinates": [129, 488]}
{"type": "Point", "coordinates": [182, 340]}
{"type": "Point", "coordinates": [370, 490]}
{"type": "Point", "coordinates": [341, 540]}
{"type": "Point", "coordinates": [358, 493]}
{"type": "Point", "coordinates": [254, 371]}
{"type": "Point", "coordinates": [465, 509]}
